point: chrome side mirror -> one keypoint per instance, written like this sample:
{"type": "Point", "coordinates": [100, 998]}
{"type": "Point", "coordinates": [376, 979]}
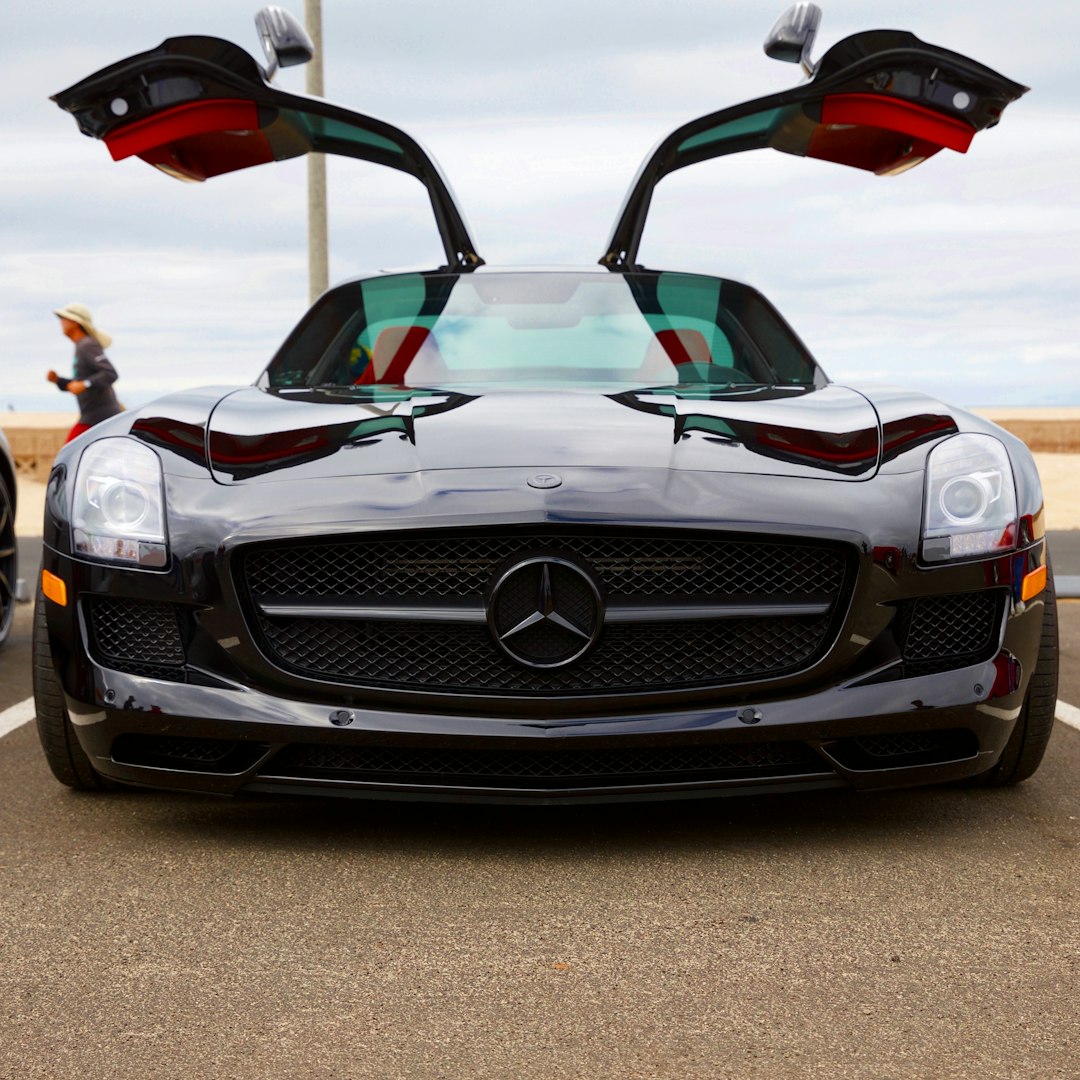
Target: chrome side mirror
{"type": "Point", "coordinates": [792, 36]}
{"type": "Point", "coordinates": [284, 39]}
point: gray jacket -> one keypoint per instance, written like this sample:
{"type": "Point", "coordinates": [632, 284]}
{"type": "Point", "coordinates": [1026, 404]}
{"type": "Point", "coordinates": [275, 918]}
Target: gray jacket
{"type": "Point", "coordinates": [98, 401]}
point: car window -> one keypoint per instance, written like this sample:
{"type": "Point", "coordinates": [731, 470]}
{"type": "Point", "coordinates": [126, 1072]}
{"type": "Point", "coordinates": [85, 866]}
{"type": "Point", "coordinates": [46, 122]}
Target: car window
{"type": "Point", "coordinates": [651, 328]}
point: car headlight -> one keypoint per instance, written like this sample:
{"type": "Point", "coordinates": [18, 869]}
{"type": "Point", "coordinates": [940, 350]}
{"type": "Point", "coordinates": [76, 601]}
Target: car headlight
{"type": "Point", "coordinates": [118, 510]}
{"type": "Point", "coordinates": [970, 499]}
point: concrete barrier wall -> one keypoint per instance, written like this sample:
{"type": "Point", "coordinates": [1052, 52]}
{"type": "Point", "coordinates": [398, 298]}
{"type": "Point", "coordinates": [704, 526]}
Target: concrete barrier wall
{"type": "Point", "coordinates": [34, 448]}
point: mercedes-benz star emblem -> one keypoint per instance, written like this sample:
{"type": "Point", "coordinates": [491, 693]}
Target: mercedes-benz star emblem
{"type": "Point", "coordinates": [545, 611]}
{"type": "Point", "coordinates": [544, 480]}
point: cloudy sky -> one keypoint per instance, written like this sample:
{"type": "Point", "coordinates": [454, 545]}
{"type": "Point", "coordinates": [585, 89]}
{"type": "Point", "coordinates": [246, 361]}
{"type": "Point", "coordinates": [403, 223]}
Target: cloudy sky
{"type": "Point", "coordinates": [961, 277]}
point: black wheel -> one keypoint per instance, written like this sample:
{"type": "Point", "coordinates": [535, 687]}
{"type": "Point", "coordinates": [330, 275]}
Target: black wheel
{"type": "Point", "coordinates": [8, 561]}
{"type": "Point", "coordinates": [65, 756]}
{"type": "Point", "coordinates": [1024, 750]}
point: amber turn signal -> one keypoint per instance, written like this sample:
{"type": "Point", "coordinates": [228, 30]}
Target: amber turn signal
{"type": "Point", "coordinates": [1033, 583]}
{"type": "Point", "coordinates": [54, 588]}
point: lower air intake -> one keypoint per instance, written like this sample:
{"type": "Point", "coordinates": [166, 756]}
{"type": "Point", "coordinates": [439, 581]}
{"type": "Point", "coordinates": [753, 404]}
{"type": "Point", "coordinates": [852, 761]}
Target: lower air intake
{"type": "Point", "coordinates": [526, 769]}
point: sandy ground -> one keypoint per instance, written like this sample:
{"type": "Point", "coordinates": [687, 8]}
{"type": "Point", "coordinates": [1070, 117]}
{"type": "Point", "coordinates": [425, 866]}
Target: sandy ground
{"type": "Point", "coordinates": [30, 509]}
{"type": "Point", "coordinates": [1060, 476]}
{"type": "Point", "coordinates": [57, 420]}
{"type": "Point", "coordinates": [1061, 489]}
{"type": "Point", "coordinates": [1030, 412]}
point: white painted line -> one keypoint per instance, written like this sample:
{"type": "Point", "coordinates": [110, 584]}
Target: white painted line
{"type": "Point", "coordinates": [1068, 714]}
{"type": "Point", "coordinates": [16, 716]}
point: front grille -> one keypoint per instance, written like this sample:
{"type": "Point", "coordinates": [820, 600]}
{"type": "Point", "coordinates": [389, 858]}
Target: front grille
{"type": "Point", "coordinates": [629, 567]}
{"type": "Point", "coordinates": [944, 632]}
{"type": "Point", "coordinates": [137, 637]}
{"type": "Point", "coordinates": [535, 768]}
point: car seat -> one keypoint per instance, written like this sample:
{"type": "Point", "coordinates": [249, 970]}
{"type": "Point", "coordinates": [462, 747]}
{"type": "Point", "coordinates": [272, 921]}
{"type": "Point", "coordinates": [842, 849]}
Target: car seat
{"type": "Point", "coordinates": [404, 354]}
{"type": "Point", "coordinates": [683, 356]}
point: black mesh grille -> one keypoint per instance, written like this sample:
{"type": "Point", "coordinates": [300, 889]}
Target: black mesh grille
{"type": "Point", "coordinates": [627, 564]}
{"type": "Point", "coordinates": [951, 631]}
{"type": "Point", "coordinates": [463, 658]}
{"type": "Point", "coordinates": [904, 749]}
{"type": "Point", "coordinates": [898, 745]}
{"type": "Point", "coordinates": [135, 636]}
{"type": "Point", "coordinates": [222, 756]}
{"type": "Point", "coordinates": [524, 768]}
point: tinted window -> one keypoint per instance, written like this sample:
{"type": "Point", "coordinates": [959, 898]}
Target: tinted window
{"type": "Point", "coordinates": [545, 327]}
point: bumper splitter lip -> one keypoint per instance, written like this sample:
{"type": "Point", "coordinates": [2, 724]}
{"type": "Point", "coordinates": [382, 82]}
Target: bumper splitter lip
{"type": "Point", "coordinates": [264, 725]}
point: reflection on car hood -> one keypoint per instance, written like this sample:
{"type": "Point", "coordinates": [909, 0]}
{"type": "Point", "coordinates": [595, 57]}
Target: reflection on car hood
{"type": "Point", "coordinates": [831, 432]}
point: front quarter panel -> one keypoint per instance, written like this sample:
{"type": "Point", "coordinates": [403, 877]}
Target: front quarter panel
{"type": "Point", "coordinates": [913, 423]}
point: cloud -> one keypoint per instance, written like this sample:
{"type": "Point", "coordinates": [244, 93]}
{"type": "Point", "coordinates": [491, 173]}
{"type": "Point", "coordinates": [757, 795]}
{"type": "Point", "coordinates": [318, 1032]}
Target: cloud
{"type": "Point", "coordinates": [960, 276]}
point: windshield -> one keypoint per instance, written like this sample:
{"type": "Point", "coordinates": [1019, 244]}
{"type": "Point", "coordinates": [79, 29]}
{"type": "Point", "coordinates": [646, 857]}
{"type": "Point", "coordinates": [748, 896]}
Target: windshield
{"type": "Point", "coordinates": [545, 328]}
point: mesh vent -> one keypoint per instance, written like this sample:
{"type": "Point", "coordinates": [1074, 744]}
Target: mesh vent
{"type": "Point", "coordinates": [520, 768]}
{"type": "Point", "coordinates": [904, 749]}
{"type": "Point", "coordinates": [907, 742]}
{"type": "Point", "coordinates": [222, 756]}
{"type": "Point", "coordinates": [627, 564]}
{"type": "Point", "coordinates": [135, 636]}
{"type": "Point", "coordinates": [951, 631]}
{"type": "Point", "coordinates": [465, 658]}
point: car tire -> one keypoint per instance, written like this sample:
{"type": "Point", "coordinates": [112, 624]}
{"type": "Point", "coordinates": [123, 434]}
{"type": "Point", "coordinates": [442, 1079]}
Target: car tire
{"type": "Point", "coordinates": [1025, 748]}
{"type": "Point", "coordinates": [66, 758]}
{"type": "Point", "coordinates": [8, 561]}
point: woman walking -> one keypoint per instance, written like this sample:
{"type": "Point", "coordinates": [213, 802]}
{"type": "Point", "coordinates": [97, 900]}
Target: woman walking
{"type": "Point", "coordinates": [93, 375]}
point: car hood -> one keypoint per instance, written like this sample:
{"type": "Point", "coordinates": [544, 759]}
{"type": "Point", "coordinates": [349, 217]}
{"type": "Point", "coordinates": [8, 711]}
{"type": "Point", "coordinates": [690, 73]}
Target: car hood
{"type": "Point", "coordinates": [830, 432]}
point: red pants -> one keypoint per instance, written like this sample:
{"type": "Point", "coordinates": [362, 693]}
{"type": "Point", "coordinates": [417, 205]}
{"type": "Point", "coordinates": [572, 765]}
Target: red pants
{"type": "Point", "coordinates": [76, 431]}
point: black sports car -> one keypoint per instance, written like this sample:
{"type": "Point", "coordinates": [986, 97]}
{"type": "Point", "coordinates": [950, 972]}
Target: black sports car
{"type": "Point", "coordinates": [8, 550]}
{"type": "Point", "coordinates": [544, 534]}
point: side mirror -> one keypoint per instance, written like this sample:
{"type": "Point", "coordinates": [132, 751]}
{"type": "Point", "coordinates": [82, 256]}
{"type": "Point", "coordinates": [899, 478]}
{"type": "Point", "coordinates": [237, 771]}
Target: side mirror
{"type": "Point", "coordinates": [792, 36]}
{"type": "Point", "coordinates": [284, 39]}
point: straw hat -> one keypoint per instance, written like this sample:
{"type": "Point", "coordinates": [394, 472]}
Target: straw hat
{"type": "Point", "coordinates": [80, 313]}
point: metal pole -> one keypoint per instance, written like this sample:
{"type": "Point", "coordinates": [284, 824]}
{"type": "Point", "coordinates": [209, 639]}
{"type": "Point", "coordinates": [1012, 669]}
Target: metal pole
{"type": "Point", "coordinates": [318, 246]}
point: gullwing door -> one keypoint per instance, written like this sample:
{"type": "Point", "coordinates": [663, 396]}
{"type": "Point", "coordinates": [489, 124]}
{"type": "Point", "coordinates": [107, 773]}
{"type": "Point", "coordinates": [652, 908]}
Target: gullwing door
{"type": "Point", "coordinates": [882, 101]}
{"type": "Point", "coordinates": [197, 107]}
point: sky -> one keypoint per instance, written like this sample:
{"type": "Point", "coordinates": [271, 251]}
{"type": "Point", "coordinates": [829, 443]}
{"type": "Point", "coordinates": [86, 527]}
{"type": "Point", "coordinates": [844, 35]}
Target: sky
{"type": "Point", "coordinates": [959, 278]}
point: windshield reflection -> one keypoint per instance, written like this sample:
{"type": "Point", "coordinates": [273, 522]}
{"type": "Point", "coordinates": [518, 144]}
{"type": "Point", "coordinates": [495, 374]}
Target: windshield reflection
{"type": "Point", "coordinates": [542, 328]}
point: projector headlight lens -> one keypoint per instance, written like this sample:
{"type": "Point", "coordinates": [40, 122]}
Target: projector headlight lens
{"type": "Point", "coordinates": [970, 499]}
{"type": "Point", "coordinates": [118, 511]}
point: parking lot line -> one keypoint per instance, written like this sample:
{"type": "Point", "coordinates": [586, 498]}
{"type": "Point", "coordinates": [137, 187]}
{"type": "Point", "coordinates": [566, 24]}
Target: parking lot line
{"type": "Point", "coordinates": [16, 716]}
{"type": "Point", "coordinates": [1068, 714]}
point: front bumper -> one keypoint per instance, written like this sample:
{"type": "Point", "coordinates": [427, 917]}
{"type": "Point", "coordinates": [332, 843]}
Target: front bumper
{"type": "Point", "coordinates": [214, 740]}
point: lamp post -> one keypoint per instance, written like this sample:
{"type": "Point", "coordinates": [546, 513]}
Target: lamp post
{"type": "Point", "coordinates": [318, 247]}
